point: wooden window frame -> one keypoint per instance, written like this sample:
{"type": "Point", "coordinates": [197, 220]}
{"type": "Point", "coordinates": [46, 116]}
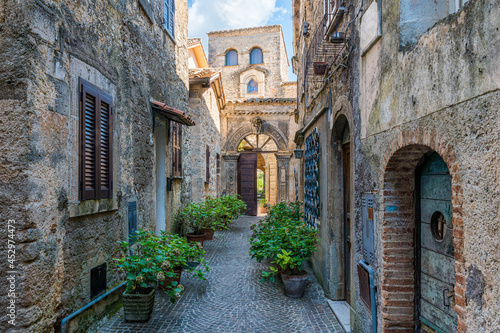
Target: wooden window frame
{"type": "Point", "coordinates": [227, 58]}
{"type": "Point", "coordinates": [100, 190]}
{"type": "Point", "coordinates": [176, 150]}
{"type": "Point", "coordinates": [252, 56]}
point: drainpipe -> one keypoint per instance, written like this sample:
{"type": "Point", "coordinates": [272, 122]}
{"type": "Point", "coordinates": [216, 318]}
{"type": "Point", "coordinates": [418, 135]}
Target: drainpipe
{"type": "Point", "coordinates": [372, 295]}
{"type": "Point", "coordinates": [77, 312]}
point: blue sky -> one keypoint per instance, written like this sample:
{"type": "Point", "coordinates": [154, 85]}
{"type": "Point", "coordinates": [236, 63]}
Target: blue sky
{"type": "Point", "coordinates": [212, 15]}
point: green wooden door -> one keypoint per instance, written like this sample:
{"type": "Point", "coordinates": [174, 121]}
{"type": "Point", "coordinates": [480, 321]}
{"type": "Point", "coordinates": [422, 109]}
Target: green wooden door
{"type": "Point", "coordinates": [436, 262]}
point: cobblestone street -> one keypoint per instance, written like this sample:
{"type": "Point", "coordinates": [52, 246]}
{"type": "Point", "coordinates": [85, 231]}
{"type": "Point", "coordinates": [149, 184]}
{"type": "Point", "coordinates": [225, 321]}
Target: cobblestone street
{"type": "Point", "coordinates": [232, 299]}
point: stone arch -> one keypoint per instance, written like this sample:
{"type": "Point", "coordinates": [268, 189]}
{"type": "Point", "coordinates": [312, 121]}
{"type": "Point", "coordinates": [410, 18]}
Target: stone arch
{"type": "Point", "coordinates": [398, 227]}
{"type": "Point", "coordinates": [247, 129]}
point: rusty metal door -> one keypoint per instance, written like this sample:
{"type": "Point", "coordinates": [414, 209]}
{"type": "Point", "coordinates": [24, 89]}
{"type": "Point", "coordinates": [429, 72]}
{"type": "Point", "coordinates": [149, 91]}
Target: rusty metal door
{"type": "Point", "coordinates": [346, 150]}
{"type": "Point", "coordinates": [247, 182]}
{"type": "Point", "coordinates": [436, 260]}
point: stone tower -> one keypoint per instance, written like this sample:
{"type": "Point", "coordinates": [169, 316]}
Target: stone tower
{"type": "Point", "coordinates": [269, 72]}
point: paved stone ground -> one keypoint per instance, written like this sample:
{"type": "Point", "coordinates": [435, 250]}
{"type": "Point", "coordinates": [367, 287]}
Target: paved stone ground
{"type": "Point", "coordinates": [232, 299]}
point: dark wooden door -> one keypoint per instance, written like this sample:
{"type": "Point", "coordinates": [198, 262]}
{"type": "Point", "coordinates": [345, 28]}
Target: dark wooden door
{"type": "Point", "coordinates": [247, 182]}
{"type": "Point", "coordinates": [347, 219]}
{"type": "Point", "coordinates": [436, 264]}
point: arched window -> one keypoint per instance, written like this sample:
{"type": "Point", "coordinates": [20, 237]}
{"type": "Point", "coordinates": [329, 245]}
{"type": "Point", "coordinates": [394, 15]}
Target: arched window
{"type": "Point", "coordinates": [256, 56]}
{"type": "Point", "coordinates": [252, 87]}
{"type": "Point", "coordinates": [231, 58]}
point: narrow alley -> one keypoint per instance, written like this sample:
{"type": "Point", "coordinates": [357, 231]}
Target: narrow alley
{"type": "Point", "coordinates": [232, 299]}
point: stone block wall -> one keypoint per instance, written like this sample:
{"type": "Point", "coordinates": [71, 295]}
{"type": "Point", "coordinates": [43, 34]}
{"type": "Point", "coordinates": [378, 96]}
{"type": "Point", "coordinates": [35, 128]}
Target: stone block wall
{"type": "Point", "coordinates": [45, 48]}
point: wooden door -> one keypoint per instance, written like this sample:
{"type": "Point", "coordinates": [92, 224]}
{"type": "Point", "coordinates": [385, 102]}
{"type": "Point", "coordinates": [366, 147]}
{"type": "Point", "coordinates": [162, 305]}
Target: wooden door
{"type": "Point", "coordinates": [346, 156]}
{"type": "Point", "coordinates": [436, 259]}
{"type": "Point", "coordinates": [247, 182]}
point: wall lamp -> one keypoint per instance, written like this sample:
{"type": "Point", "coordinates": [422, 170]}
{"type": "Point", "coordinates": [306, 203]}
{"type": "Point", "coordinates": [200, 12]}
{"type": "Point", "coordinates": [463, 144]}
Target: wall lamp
{"type": "Point", "coordinates": [298, 153]}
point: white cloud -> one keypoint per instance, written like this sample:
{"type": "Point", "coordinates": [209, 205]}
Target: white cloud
{"type": "Point", "coordinates": [212, 15]}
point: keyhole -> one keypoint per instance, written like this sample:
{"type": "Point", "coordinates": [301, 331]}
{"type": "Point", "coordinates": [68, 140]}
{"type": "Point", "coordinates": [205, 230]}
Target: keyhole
{"type": "Point", "coordinates": [438, 226]}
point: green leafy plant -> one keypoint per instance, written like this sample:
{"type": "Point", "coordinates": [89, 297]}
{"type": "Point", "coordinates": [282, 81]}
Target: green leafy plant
{"type": "Point", "coordinates": [263, 202]}
{"type": "Point", "coordinates": [284, 238]}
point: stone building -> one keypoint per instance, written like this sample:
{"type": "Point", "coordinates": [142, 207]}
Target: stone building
{"type": "Point", "coordinates": [257, 124]}
{"type": "Point", "coordinates": [202, 143]}
{"type": "Point", "coordinates": [92, 101]}
{"type": "Point", "coordinates": [406, 115]}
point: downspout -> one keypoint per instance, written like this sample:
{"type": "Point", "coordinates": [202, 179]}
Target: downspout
{"type": "Point", "coordinates": [77, 312]}
{"type": "Point", "coordinates": [372, 295]}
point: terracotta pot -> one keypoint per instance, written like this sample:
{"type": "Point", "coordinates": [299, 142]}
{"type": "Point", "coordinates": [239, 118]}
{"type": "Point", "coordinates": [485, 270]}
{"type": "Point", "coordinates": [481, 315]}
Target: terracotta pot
{"type": "Point", "coordinates": [320, 68]}
{"type": "Point", "coordinates": [294, 284]}
{"type": "Point", "coordinates": [209, 233]}
{"type": "Point", "coordinates": [138, 307]}
{"type": "Point", "coordinates": [177, 278]}
{"type": "Point", "coordinates": [263, 210]}
{"type": "Point", "coordinates": [196, 238]}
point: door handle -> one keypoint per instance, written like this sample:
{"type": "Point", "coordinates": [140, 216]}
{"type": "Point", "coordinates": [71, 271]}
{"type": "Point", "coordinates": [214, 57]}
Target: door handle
{"type": "Point", "coordinates": [450, 296]}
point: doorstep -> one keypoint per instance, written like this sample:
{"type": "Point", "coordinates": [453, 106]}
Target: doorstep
{"type": "Point", "coordinates": [342, 311]}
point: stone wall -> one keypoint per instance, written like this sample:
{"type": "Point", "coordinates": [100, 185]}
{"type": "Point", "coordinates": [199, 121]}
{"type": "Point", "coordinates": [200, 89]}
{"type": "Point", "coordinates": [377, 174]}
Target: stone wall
{"type": "Point", "coordinates": [274, 67]}
{"type": "Point", "coordinates": [45, 48]}
{"type": "Point", "coordinates": [205, 112]}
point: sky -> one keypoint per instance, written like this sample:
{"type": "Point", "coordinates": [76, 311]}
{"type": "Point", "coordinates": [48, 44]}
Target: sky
{"type": "Point", "coordinates": [213, 15]}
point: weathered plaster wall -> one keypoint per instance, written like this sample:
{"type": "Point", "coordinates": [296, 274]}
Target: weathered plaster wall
{"type": "Point", "coordinates": [116, 47]}
{"type": "Point", "coordinates": [443, 93]}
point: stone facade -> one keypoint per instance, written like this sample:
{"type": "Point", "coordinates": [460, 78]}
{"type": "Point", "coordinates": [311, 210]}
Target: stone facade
{"type": "Point", "coordinates": [402, 91]}
{"type": "Point", "coordinates": [273, 105]}
{"type": "Point", "coordinates": [46, 47]}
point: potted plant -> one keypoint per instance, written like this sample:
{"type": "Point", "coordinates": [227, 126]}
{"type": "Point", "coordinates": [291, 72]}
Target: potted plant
{"type": "Point", "coordinates": [175, 255]}
{"type": "Point", "coordinates": [141, 275]}
{"type": "Point", "coordinates": [285, 239]}
{"type": "Point", "coordinates": [263, 206]}
{"type": "Point", "coordinates": [194, 218]}
{"type": "Point", "coordinates": [320, 67]}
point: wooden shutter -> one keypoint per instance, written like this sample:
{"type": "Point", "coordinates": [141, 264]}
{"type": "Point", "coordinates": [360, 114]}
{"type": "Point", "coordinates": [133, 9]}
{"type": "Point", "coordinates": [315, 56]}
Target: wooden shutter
{"type": "Point", "coordinates": [169, 15]}
{"type": "Point", "coordinates": [207, 165]}
{"type": "Point", "coordinates": [95, 143]}
{"type": "Point", "coordinates": [176, 149]}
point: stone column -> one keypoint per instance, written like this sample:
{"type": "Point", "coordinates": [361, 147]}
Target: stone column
{"type": "Point", "coordinates": [283, 165]}
{"type": "Point", "coordinates": [231, 173]}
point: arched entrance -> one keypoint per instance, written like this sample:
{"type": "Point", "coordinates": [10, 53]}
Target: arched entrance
{"type": "Point", "coordinates": [254, 140]}
{"type": "Point", "coordinates": [421, 239]}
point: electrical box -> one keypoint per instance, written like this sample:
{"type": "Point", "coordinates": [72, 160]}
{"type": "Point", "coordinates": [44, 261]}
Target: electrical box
{"type": "Point", "coordinates": [367, 201]}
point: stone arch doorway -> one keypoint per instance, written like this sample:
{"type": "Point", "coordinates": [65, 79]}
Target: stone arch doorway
{"type": "Point", "coordinates": [257, 138]}
{"type": "Point", "coordinates": [421, 255]}
{"type": "Point", "coordinates": [257, 152]}
{"type": "Point", "coordinates": [341, 221]}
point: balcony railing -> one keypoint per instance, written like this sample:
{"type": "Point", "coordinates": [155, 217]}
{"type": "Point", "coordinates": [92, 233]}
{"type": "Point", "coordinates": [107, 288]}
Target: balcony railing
{"type": "Point", "coordinates": [327, 43]}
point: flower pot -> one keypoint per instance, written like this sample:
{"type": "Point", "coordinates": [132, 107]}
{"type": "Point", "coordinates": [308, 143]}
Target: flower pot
{"type": "Point", "coordinates": [294, 284]}
{"type": "Point", "coordinates": [263, 210]}
{"type": "Point", "coordinates": [320, 68]}
{"type": "Point", "coordinates": [138, 307]}
{"type": "Point", "coordinates": [177, 278]}
{"type": "Point", "coordinates": [209, 233]}
{"type": "Point", "coordinates": [196, 238]}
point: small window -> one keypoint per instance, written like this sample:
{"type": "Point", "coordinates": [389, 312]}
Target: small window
{"type": "Point", "coordinates": [97, 280]}
{"type": "Point", "coordinates": [231, 58]}
{"type": "Point", "coordinates": [96, 143]}
{"type": "Point", "coordinates": [207, 165]}
{"type": "Point", "coordinates": [132, 221]}
{"type": "Point", "coordinates": [176, 150]}
{"type": "Point", "coordinates": [256, 56]}
{"type": "Point", "coordinates": [252, 87]}
{"type": "Point", "coordinates": [169, 16]}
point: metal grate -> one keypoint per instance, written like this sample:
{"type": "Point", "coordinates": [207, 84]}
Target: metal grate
{"type": "Point", "coordinates": [311, 181]}
{"type": "Point", "coordinates": [368, 219]}
{"type": "Point", "coordinates": [364, 286]}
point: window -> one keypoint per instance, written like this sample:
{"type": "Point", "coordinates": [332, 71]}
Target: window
{"type": "Point", "coordinates": [256, 56]}
{"type": "Point", "coordinates": [176, 149]}
{"type": "Point", "coordinates": [252, 87]}
{"type": "Point", "coordinates": [207, 165]}
{"type": "Point", "coordinates": [169, 16]}
{"type": "Point", "coordinates": [97, 280]}
{"type": "Point", "coordinates": [231, 58]}
{"type": "Point", "coordinates": [96, 143]}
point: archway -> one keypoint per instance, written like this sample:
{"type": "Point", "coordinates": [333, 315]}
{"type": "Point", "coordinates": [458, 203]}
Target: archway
{"type": "Point", "coordinates": [420, 276]}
